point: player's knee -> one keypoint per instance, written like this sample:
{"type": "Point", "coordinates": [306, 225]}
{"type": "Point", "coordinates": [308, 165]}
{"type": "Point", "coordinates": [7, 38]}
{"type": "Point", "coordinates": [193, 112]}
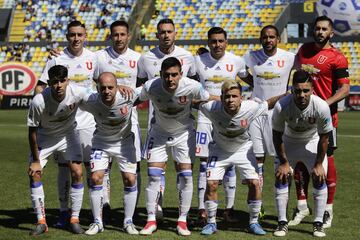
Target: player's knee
{"type": "Point", "coordinates": [212, 187]}
{"type": "Point", "coordinates": [36, 177]}
{"type": "Point", "coordinates": [260, 158]}
{"type": "Point", "coordinates": [129, 180]}
{"type": "Point", "coordinates": [97, 178]}
{"type": "Point", "coordinates": [253, 184]}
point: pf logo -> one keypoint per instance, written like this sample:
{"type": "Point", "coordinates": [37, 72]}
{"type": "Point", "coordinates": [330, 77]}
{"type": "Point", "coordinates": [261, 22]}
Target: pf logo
{"type": "Point", "coordinates": [16, 79]}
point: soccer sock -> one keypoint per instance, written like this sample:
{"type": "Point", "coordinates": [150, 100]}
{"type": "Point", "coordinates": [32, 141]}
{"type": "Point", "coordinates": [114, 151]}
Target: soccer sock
{"type": "Point", "coordinates": [202, 184]}
{"type": "Point", "coordinates": [63, 182]}
{"type": "Point", "coordinates": [152, 191]}
{"type": "Point", "coordinates": [96, 197]}
{"type": "Point", "coordinates": [162, 188]}
{"type": "Point", "coordinates": [254, 210]}
{"type": "Point", "coordinates": [261, 175]}
{"type": "Point", "coordinates": [302, 179]}
{"type": "Point", "coordinates": [76, 195]}
{"type": "Point", "coordinates": [331, 179]}
{"type": "Point", "coordinates": [320, 196]}
{"type": "Point", "coordinates": [38, 199]}
{"type": "Point", "coordinates": [229, 182]}
{"type": "Point", "coordinates": [185, 193]}
{"type": "Point", "coordinates": [106, 185]}
{"type": "Point", "coordinates": [281, 198]}
{"type": "Point", "coordinates": [138, 185]}
{"type": "Point", "coordinates": [211, 208]}
{"type": "Point", "coordinates": [130, 194]}
{"type": "Point", "coordinates": [329, 207]}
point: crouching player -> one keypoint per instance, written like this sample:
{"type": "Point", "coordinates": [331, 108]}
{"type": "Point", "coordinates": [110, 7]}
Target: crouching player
{"type": "Point", "coordinates": [112, 140]}
{"type": "Point", "coordinates": [51, 121]}
{"type": "Point", "coordinates": [301, 126]}
{"type": "Point", "coordinates": [232, 145]}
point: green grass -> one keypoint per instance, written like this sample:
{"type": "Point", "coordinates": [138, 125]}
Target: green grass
{"type": "Point", "coordinates": [16, 217]}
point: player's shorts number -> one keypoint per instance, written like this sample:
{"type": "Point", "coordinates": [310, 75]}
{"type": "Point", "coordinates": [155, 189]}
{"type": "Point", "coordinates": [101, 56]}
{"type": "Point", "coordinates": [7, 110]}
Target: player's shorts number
{"type": "Point", "coordinates": [201, 138]}
{"type": "Point", "coordinates": [212, 162]}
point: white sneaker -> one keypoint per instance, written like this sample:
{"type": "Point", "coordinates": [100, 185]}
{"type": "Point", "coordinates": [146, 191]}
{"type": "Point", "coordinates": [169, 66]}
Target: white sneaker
{"type": "Point", "coordinates": [318, 230]}
{"type": "Point", "coordinates": [130, 229]}
{"type": "Point", "coordinates": [281, 229]}
{"type": "Point", "coordinates": [182, 229]}
{"type": "Point", "coordinates": [298, 216]}
{"type": "Point", "coordinates": [94, 228]}
{"type": "Point", "coordinates": [149, 228]}
{"type": "Point", "coordinates": [328, 217]}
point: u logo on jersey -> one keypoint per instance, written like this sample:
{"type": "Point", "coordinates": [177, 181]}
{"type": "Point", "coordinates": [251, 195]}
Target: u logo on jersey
{"type": "Point", "coordinates": [124, 110]}
{"type": "Point", "coordinates": [89, 65]}
{"type": "Point", "coordinates": [72, 106]}
{"type": "Point", "coordinates": [281, 63]}
{"type": "Point", "coordinates": [321, 59]}
{"type": "Point", "coordinates": [182, 99]}
{"type": "Point", "coordinates": [243, 123]}
{"type": "Point", "coordinates": [132, 63]}
{"type": "Point", "coordinates": [229, 67]}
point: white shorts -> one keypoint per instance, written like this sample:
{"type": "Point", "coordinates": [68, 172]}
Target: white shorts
{"type": "Point", "coordinates": [68, 147]}
{"type": "Point", "coordinates": [135, 129]}
{"type": "Point", "coordinates": [123, 153]}
{"type": "Point", "coordinates": [301, 151]}
{"type": "Point", "coordinates": [203, 138]}
{"type": "Point", "coordinates": [181, 147]}
{"type": "Point", "coordinates": [219, 160]}
{"type": "Point", "coordinates": [261, 135]}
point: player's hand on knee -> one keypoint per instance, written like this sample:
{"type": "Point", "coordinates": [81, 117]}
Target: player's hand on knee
{"type": "Point", "coordinates": [34, 168]}
{"type": "Point", "coordinates": [318, 173]}
{"type": "Point", "coordinates": [283, 172]}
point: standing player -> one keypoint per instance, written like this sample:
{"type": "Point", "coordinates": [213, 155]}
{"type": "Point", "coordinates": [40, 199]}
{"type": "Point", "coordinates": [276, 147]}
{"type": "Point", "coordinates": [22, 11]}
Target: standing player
{"type": "Point", "coordinates": [51, 121]}
{"type": "Point", "coordinates": [80, 63]}
{"type": "Point", "coordinates": [121, 61]}
{"type": "Point", "coordinates": [150, 63]}
{"type": "Point", "coordinates": [114, 140]}
{"type": "Point", "coordinates": [270, 70]}
{"type": "Point", "coordinates": [213, 68]}
{"type": "Point", "coordinates": [328, 68]}
{"type": "Point", "coordinates": [171, 132]}
{"type": "Point", "coordinates": [301, 127]}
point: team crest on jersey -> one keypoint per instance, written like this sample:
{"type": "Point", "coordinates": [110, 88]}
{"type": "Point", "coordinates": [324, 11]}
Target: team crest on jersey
{"type": "Point", "coordinates": [132, 63]}
{"type": "Point", "coordinates": [124, 110]}
{"type": "Point", "coordinates": [182, 99]}
{"type": "Point", "coordinates": [321, 59]}
{"type": "Point", "coordinates": [243, 123]}
{"type": "Point", "coordinates": [280, 63]}
{"type": "Point", "coordinates": [89, 65]}
{"type": "Point", "coordinates": [311, 120]}
{"type": "Point", "coordinates": [71, 106]}
{"type": "Point", "coordinates": [229, 67]}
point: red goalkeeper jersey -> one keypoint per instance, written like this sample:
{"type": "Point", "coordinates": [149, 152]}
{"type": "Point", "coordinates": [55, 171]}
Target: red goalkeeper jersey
{"type": "Point", "coordinates": [328, 69]}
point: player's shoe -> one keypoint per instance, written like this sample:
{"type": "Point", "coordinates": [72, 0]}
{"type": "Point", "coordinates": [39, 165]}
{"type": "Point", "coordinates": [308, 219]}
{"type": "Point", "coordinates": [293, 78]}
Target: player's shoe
{"type": "Point", "coordinates": [182, 229]}
{"type": "Point", "coordinates": [159, 214]}
{"type": "Point", "coordinates": [328, 217]}
{"type": "Point", "coordinates": [106, 213]}
{"type": "Point", "coordinates": [229, 215]}
{"type": "Point", "coordinates": [94, 228]}
{"type": "Point", "coordinates": [75, 226]}
{"type": "Point", "coordinates": [298, 216]}
{"type": "Point", "coordinates": [149, 228]}
{"type": "Point", "coordinates": [40, 228]}
{"type": "Point", "coordinates": [262, 213]}
{"type": "Point", "coordinates": [202, 218]}
{"type": "Point", "coordinates": [209, 229]}
{"type": "Point", "coordinates": [318, 229]}
{"type": "Point", "coordinates": [64, 219]}
{"type": "Point", "coordinates": [129, 228]}
{"type": "Point", "coordinates": [281, 229]}
{"type": "Point", "coordinates": [256, 229]}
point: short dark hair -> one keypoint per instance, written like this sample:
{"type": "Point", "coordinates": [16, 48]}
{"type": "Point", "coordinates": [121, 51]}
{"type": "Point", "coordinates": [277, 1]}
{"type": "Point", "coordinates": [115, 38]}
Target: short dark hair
{"type": "Point", "coordinates": [216, 30]}
{"type": "Point", "coordinates": [75, 23]}
{"type": "Point", "coordinates": [170, 62]}
{"type": "Point", "coordinates": [165, 21]}
{"type": "Point", "coordinates": [301, 76]}
{"type": "Point", "coordinates": [324, 18]}
{"type": "Point", "coordinates": [201, 50]}
{"type": "Point", "coordinates": [118, 23]}
{"type": "Point", "coordinates": [270, 27]}
{"type": "Point", "coordinates": [57, 73]}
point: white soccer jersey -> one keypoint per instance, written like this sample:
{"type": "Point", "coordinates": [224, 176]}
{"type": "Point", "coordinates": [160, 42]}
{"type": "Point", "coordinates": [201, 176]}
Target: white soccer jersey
{"type": "Point", "coordinates": [80, 71]}
{"type": "Point", "coordinates": [51, 117]}
{"type": "Point", "coordinates": [112, 122]}
{"type": "Point", "coordinates": [302, 124]}
{"type": "Point", "coordinates": [231, 132]}
{"type": "Point", "coordinates": [173, 110]}
{"type": "Point", "coordinates": [212, 73]}
{"type": "Point", "coordinates": [149, 65]}
{"type": "Point", "coordinates": [270, 74]}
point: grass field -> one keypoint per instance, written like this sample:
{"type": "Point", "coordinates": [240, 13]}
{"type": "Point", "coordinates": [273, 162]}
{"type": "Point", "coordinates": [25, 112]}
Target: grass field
{"type": "Point", "coordinates": [16, 217]}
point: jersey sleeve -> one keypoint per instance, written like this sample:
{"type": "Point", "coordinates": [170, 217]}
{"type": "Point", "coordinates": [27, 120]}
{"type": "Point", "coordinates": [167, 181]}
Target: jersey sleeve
{"type": "Point", "coordinates": [324, 125]}
{"type": "Point", "coordinates": [259, 108]}
{"type": "Point", "coordinates": [341, 71]}
{"type": "Point", "coordinates": [97, 67]}
{"type": "Point", "coordinates": [206, 108]}
{"type": "Point", "coordinates": [200, 92]}
{"type": "Point", "coordinates": [192, 69]}
{"type": "Point", "coordinates": [35, 111]}
{"type": "Point", "coordinates": [143, 93]}
{"type": "Point", "coordinates": [44, 76]}
{"type": "Point", "coordinates": [278, 121]}
{"type": "Point", "coordinates": [141, 68]}
{"type": "Point", "coordinates": [242, 72]}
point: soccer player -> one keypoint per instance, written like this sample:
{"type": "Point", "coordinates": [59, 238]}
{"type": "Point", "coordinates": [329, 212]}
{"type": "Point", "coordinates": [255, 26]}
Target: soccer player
{"type": "Point", "coordinates": [51, 121]}
{"type": "Point", "coordinates": [232, 146]}
{"type": "Point", "coordinates": [122, 61]}
{"type": "Point", "coordinates": [270, 69]}
{"type": "Point", "coordinates": [171, 132]}
{"type": "Point", "coordinates": [301, 126]}
{"type": "Point", "coordinates": [80, 63]}
{"type": "Point", "coordinates": [328, 68]}
{"type": "Point", "coordinates": [213, 68]}
{"type": "Point", "coordinates": [114, 140]}
{"type": "Point", "coordinates": [149, 68]}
